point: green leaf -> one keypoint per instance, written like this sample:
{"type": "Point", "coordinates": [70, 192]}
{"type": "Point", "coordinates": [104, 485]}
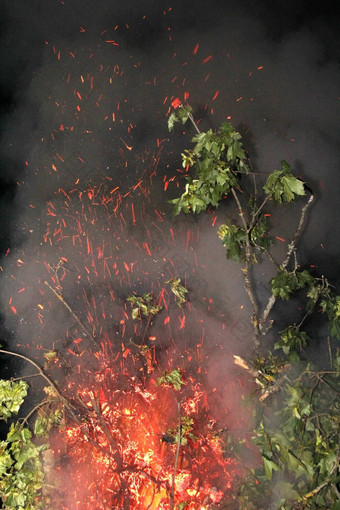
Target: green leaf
{"type": "Point", "coordinates": [292, 339]}
{"type": "Point", "coordinates": [282, 185]}
{"type": "Point", "coordinates": [331, 306]}
{"type": "Point", "coordinates": [233, 238]}
{"type": "Point", "coordinates": [12, 395]}
{"type": "Point", "coordinates": [173, 378]}
{"type": "Point", "coordinates": [50, 416]}
{"type": "Point", "coordinates": [50, 356]}
{"type": "Point", "coordinates": [258, 234]}
{"type": "Point", "coordinates": [217, 158]}
{"type": "Point", "coordinates": [304, 279]}
{"type": "Point", "coordinates": [21, 474]}
{"type": "Point", "coordinates": [334, 328]}
{"type": "Point", "coordinates": [285, 282]}
{"type": "Point", "coordinates": [143, 305]}
{"type": "Point", "coordinates": [327, 463]}
{"type": "Point", "coordinates": [181, 115]}
{"type": "Point", "coordinates": [186, 427]}
{"type": "Point", "coordinates": [269, 467]}
{"type": "Point", "coordinates": [178, 289]}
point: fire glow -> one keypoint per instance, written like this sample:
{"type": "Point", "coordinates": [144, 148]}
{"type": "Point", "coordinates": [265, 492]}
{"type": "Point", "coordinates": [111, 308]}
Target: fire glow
{"type": "Point", "coordinates": [120, 450]}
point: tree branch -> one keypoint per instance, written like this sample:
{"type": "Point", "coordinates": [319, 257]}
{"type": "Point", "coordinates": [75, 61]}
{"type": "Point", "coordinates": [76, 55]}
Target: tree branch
{"type": "Point", "coordinates": [255, 318]}
{"type": "Point", "coordinates": [172, 490]}
{"type": "Point", "coordinates": [67, 306]}
{"type": "Point", "coordinates": [68, 406]}
{"type": "Point", "coordinates": [291, 249]}
{"type": "Point", "coordinates": [41, 404]}
{"type": "Point", "coordinates": [192, 120]}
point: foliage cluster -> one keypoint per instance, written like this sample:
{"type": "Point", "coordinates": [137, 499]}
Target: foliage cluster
{"type": "Point", "coordinates": [21, 474]}
{"type": "Point", "coordinates": [297, 429]}
{"type": "Point", "coordinates": [298, 437]}
{"type": "Point", "coordinates": [143, 305]}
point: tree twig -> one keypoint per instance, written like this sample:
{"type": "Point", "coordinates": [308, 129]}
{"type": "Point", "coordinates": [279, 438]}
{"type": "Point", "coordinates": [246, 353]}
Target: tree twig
{"type": "Point", "coordinates": [173, 482]}
{"type": "Point", "coordinates": [67, 306]}
{"type": "Point", "coordinates": [68, 406]}
{"type": "Point", "coordinates": [291, 249]}
{"type": "Point", "coordinates": [13, 379]}
{"type": "Point", "coordinates": [35, 408]}
{"type": "Point", "coordinates": [322, 485]}
{"type": "Point", "coordinates": [256, 213]}
{"type": "Point", "coordinates": [255, 318]}
{"type": "Point", "coordinates": [192, 120]}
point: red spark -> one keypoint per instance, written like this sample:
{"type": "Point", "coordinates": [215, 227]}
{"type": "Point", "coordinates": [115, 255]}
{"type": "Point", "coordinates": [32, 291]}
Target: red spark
{"type": "Point", "coordinates": [133, 215]}
{"type": "Point", "coordinates": [176, 103]}
{"type": "Point", "coordinates": [188, 240]}
{"type": "Point", "coordinates": [126, 352]}
{"type": "Point", "coordinates": [126, 145]}
{"type": "Point", "coordinates": [147, 249]}
{"type": "Point", "coordinates": [182, 322]}
{"type": "Point", "coordinates": [196, 48]}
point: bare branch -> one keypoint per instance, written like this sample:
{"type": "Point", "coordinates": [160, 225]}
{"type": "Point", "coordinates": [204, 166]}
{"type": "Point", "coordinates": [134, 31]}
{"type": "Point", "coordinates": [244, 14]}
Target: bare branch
{"type": "Point", "coordinates": [291, 249]}
{"type": "Point", "coordinates": [248, 287]}
{"type": "Point", "coordinates": [67, 306]}
{"type": "Point", "coordinates": [38, 406]}
{"type": "Point", "coordinates": [256, 213]}
{"type": "Point", "coordinates": [68, 406]}
{"type": "Point", "coordinates": [192, 120]}
{"type": "Point", "coordinates": [172, 491]}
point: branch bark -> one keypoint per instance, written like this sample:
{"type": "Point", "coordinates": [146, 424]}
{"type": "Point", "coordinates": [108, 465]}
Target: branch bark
{"type": "Point", "coordinates": [291, 250]}
{"type": "Point", "coordinates": [67, 306]}
{"type": "Point", "coordinates": [248, 287]}
{"type": "Point", "coordinates": [68, 406]}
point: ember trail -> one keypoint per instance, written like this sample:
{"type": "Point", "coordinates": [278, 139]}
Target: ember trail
{"type": "Point", "coordinates": [139, 429]}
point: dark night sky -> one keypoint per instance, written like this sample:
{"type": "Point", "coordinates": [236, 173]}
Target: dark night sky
{"type": "Point", "coordinates": [275, 67]}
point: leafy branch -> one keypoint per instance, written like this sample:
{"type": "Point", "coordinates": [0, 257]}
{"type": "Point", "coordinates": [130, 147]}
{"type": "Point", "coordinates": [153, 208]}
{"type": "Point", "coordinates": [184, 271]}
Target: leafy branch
{"type": "Point", "coordinates": [218, 159]}
{"type": "Point", "coordinates": [143, 306]}
{"type": "Point", "coordinates": [172, 379]}
{"type": "Point", "coordinates": [178, 290]}
{"type": "Point", "coordinates": [302, 455]}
